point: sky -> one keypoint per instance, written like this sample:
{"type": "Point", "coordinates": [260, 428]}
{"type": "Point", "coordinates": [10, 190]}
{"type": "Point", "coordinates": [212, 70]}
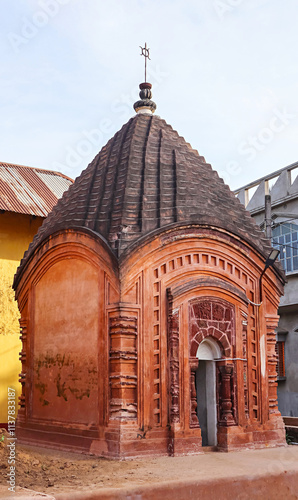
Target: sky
{"type": "Point", "coordinates": [224, 75]}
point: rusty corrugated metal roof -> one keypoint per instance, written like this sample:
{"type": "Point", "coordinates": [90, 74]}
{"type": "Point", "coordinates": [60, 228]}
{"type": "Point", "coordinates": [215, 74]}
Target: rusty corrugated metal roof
{"type": "Point", "coordinates": [28, 190]}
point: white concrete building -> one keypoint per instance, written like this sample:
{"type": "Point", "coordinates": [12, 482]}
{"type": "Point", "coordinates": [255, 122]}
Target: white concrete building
{"type": "Point", "coordinates": [282, 186]}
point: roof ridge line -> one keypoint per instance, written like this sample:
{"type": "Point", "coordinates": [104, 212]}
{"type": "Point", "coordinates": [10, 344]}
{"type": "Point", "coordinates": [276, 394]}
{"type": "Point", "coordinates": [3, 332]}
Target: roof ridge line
{"type": "Point", "coordinates": [36, 169]}
{"type": "Point", "coordinates": [141, 208]}
{"type": "Point", "coordinates": [116, 177]}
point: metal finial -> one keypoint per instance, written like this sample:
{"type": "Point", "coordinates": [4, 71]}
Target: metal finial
{"type": "Point", "coordinates": [145, 53]}
{"type": "Point", "coordinates": [145, 105]}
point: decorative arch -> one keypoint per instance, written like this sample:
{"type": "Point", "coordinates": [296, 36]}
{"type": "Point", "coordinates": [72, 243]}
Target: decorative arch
{"type": "Point", "coordinates": [209, 318]}
{"type": "Point", "coordinates": [213, 333]}
{"type": "Point", "coordinates": [214, 318]}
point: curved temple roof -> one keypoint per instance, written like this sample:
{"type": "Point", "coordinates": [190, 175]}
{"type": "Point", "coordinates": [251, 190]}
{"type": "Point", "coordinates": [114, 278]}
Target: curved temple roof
{"type": "Point", "coordinates": [145, 178]}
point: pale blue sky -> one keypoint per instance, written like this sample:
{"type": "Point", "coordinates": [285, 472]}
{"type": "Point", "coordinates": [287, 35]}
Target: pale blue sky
{"type": "Point", "coordinates": [224, 75]}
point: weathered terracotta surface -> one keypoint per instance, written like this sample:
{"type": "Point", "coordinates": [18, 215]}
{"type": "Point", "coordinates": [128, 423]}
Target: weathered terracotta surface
{"type": "Point", "coordinates": [110, 336]}
{"type": "Point", "coordinates": [110, 352]}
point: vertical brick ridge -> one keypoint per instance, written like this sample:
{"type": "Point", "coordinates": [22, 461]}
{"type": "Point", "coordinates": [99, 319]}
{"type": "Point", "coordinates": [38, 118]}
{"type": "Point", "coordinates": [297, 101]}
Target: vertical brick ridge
{"type": "Point", "coordinates": [181, 187]}
{"type": "Point", "coordinates": [168, 185]}
{"type": "Point", "coordinates": [159, 180]}
{"type": "Point", "coordinates": [114, 214]}
{"type": "Point", "coordinates": [107, 184]}
{"type": "Point", "coordinates": [129, 210]}
{"type": "Point", "coordinates": [174, 167]}
{"type": "Point", "coordinates": [96, 222]}
{"type": "Point", "coordinates": [140, 216]}
{"type": "Point", "coordinates": [150, 211]}
{"type": "Point", "coordinates": [91, 190]}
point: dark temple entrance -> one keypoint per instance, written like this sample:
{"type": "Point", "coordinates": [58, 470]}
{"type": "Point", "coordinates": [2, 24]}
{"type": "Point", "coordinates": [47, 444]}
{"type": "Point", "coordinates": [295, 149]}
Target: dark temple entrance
{"type": "Point", "coordinates": [206, 391]}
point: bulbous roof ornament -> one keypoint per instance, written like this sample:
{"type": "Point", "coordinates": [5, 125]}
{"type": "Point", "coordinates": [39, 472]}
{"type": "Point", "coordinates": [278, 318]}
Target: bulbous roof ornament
{"type": "Point", "coordinates": [145, 105]}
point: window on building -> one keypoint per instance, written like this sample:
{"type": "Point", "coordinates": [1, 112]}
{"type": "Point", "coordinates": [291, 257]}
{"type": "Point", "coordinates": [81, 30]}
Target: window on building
{"type": "Point", "coordinates": [285, 238]}
{"type": "Point", "coordinates": [280, 366]}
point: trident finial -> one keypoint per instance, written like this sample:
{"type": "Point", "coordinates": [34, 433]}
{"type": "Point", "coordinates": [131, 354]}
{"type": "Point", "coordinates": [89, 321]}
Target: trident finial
{"type": "Point", "coordinates": [145, 105]}
{"type": "Point", "coordinates": [145, 53]}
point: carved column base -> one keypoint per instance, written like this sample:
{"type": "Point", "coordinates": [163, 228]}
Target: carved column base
{"type": "Point", "coordinates": [194, 421]}
{"type": "Point", "coordinates": [226, 417]}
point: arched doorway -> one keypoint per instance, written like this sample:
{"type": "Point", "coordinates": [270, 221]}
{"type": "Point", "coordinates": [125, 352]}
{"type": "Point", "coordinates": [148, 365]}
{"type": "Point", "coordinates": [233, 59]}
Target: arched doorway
{"type": "Point", "coordinates": [207, 352]}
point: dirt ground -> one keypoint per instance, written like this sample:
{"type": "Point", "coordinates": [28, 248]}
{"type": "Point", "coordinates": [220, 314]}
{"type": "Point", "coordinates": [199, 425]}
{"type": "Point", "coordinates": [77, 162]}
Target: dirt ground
{"type": "Point", "coordinates": [52, 472]}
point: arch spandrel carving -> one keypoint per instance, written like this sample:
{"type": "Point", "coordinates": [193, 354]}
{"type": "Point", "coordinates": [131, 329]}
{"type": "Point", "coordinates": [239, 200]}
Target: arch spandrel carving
{"type": "Point", "coordinates": [211, 317]}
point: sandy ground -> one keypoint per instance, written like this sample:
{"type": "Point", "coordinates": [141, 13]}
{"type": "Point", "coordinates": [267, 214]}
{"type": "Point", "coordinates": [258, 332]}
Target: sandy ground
{"type": "Point", "coordinates": [50, 472]}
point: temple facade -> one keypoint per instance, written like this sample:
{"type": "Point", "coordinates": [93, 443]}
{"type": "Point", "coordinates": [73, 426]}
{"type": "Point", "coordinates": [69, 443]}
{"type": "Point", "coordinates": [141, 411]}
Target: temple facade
{"type": "Point", "coordinates": [148, 322]}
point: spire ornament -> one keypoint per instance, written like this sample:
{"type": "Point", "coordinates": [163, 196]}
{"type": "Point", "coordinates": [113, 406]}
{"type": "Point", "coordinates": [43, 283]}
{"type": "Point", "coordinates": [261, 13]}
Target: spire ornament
{"type": "Point", "coordinates": [145, 53]}
{"type": "Point", "coordinates": [145, 105]}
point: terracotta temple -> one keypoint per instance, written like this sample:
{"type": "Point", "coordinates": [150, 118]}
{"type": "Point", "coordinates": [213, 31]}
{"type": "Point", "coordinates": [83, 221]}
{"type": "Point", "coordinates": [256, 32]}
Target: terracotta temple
{"type": "Point", "coordinates": [147, 319]}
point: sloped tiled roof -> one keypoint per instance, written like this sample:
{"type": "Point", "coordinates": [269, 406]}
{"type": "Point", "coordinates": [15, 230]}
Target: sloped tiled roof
{"type": "Point", "coordinates": [31, 191]}
{"type": "Point", "coordinates": [147, 177]}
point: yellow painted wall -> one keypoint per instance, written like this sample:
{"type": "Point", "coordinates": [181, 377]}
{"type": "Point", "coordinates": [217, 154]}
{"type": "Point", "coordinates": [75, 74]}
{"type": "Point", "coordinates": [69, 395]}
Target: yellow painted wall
{"type": "Point", "coordinates": [16, 232]}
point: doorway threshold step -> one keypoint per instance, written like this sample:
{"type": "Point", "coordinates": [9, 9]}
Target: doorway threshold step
{"type": "Point", "coordinates": [209, 448]}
